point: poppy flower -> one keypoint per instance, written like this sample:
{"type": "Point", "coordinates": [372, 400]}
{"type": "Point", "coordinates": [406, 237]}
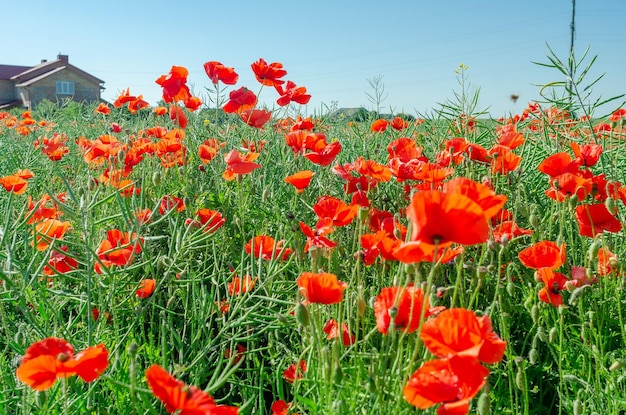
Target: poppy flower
{"type": "Point", "coordinates": [255, 118]}
{"type": "Point", "coordinates": [554, 283]}
{"type": "Point", "coordinates": [503, 160]}
{"type": "Point", "coordinates": [159, 111]}
{"type": "Point", "coordinates": [292, 93]}
{"type": "Point", "coordinates": [335, 209]}
{"type": "Point", "coordinates": [59, 262]}
{"type": "Point", "coordinates": [146, 288]}
{"type": "Point", "coordinates": [295, 371]}
{"type": "Point", "coordinates": [487, 199]}
{"type": "Point", "coordinates": [169, 202]}
{"type": "Point", "coordinates": [210, 219]}
{"type": "Point", "coordinates": [586, 154]}
{"type": "Point", "coordinates": [280, 407]}
{"type": "Point", "coordinates": [103, 109]}
{"type": "Point", "coordinates": [459, 332]}
{"type": "Point", "coordinates": [317, 238]}
{"type": "Point", "coordinates": [268, 74]}
{"type": "Point", "coordinates": [241, 99]}
{"type": "Point", "coordinates": [300, 180]}
{"type": "Point", "coordinates": [607, 262]}
{"type": "Point", "coordinates": [373, 170]}
{"type": "Point", "coordinates": [266, 247]}
{"type": "Point", "coordinates": [332, 330]}
{"type": "Point", "coordinates": [143, 216]}
{"type": "Point", "coordinates": [174, 84]}
{"type": "Point", "coordinates": [568, 184]}
{"type": "Point", "coordinates": [117, 249]}
{"type": "Point", "coordinates": [178, 116]}
{"type": "Point", "coordinates": [180, 398]}
{"type": "Point", "coordinates": [14, 183]}
{"type": "Point", "coordinates": [557, 164]}
{"type": "Point", "coordinates": [47, 231]}
{"type": "Point", "coordinates": [403, 306]}
{"type": "Point", "coordinates": [452, 382]}
{"type": "Point", "coordinates": [321, 288]}
{"type": "Point", "coordinates": [208, 149]}
{"type": "Point", "coordinates": [399, 124]}
{"type": "Point", "coordinates": [594, 219]}
{"type": "Point", "coordinates": [217, 72]}
{"type": "Point", "coordinates": [238, 286]}
{"type": "Point", "coordinates": [511, 139]}
{"type": "Point", "coordinates": [441, 218]}
{"type": "Point", "coordinates": [52, 358]}
{"type": "Point", "coordinates": [324, 154]}
{"type": "Point", "coordinates": [379, 125]}
{"type": "Point", "coordinates": [239, 165]}
{"type": "Point", "coordinates": [509, 230]}
{"type": "Point", "coordinates": [123, 98]}
{"type": "Point", "coordinates": [543, 254]}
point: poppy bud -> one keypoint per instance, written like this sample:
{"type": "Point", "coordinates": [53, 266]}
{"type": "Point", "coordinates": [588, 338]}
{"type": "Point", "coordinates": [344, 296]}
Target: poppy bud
{"type": "Point", "coordinates": [372, 301]}
{"type": "Point", "coordinates": [282, 319]}
{"type": "Point", "coordinates": [541, 334]}
{"type": "Point", "coordinates": [371, 385]}
{"type": "Point", "coordinates": [363, 214]}
{"type": "Point", "coordinates": [264, 195]}
{"type": "Point", "coordinates": [302, 314]}
{"type": "Point", "coordinates": [533, 356]}
{"type": "Point", "coordinates": [577, 407]}
{"type": "Point", "coordinates": [121, 156]}
{"type": "Point", "coordinates": [552, 334]}
{"type": "Point", "coordinates": [393, 312]}
{"type": "Point", "coordinates": [534, 313]}
{"type": "Point", "coordinates": [338, 374]}
{"type": "Point", "coordinates": [156, 178]}
{"type": "Point", "coordinates": [361, 305]}
{"type": "Point", "coordinates": [572, 202]}
{"type": "Point", "coordinates": [484, 404]}
{"type": "Point", "coordinates": [92, 183]}
{"type": "Point", "coordinates": [593, 250]}
{"type": "Point", "coordinates": [520, 378]}
{"type": "Point", "coordinates": [618, 364]}
{"type": "Point", "coordinates": [132, 348]}
{"type": "Point", "coordinates": [610, 204]}
{"type": "Point", "coordinates": [534, 221]}
{"type": "Point", "coordinates": [510, 288]}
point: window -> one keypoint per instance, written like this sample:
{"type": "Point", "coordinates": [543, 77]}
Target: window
{"type": "Point", "coordinates": [65, 88]}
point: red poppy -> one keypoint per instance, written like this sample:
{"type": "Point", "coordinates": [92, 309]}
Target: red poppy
{"type": "Point", "coordinates": [373, 170]}
{"type": "Point", "coordinates": [123, 98]}
{"type": "Point", "coordinates": [511, 139]}
{"type": "Point", "coordinates": [238, 165]}
{"type": "Point", "coordinates": [441, 218]}
{"type": "Point", "coordinates": [417, 251]}
{"type": "Point", "coordinates": [59, 262]}
{"type": "Point", "coordinates": [476, 152]}
{"type": "Point", "coordinates": [557, 164]}
{"type": "Point", "coordinates": [238, 285]}
{"type": "Point", "coordinates": [452, 382]}
{"type": "Point", "coordinates": [146, 288]}
{"type": "Point", "coordinates": [241, 99]}
{"type": "Point", "coordinates": [292, 93]}
{"type": "Point", "coordinates": [300, 180]}
{"type": "Point", "coordinates": [402, 304]}
{"type": "Point", "coordinates": [331, 328]}
{"type": "Point", "coordinates": [399, 124]}
{"type": "Point", "coordinates": [486, 198]}
{"type": "Point", "coordinates": [210, 219]}
{"type": "Point", "coordinates": [508, 230]}
{"type": "Point", "coordinates": [595, 219]}
{"type": "Point", "coordinates": [53, 358]}
{"type": "Point", "coordinates": [405, 149]}
{"type": "Point", "coordinates": [322, 288]}
{"type": "Point", "coordinates": [324, 154]}
{"type": "Point", "coordinates": [175, 85]}
{"type": "Point", "coordinates": [268, 74]}
{"type": "Point", "coordinates": [266, 247]}
{"type": "Point", "coordinates": [280, 407]}
{"type": "Point", "coordinates": [569, 184]}
{"type": "Point", "coordinates": [554, 283]}
{"type": "Point", "coordinates": [217, 72]}
{"type": "Point", "coordinates": [316, 238]}
{"type": "Point", "coordinates": [208, 149]}
{"type": "Point", "coordinates": [543, 254]}
{"type": "Point", "coordinates": [459, 332]}
{"type": "Point", "coordinates": [169, 202]}
{"type": "Point", "coordinates": [160, 110]}
{"type": "Point", "coordinates": [178, 116]}
{"type": "Point", "coordinates": [503, 160]}
{"type": "Point", "coordinates": [607, 262]}
{"type": "Point", "coordinates": [587, 154]}
{"type": "Point", "coordinates": [14, 183]}
{"type": "Point", "coordinates": [118, 249]}
{"type": "Point", "coordinates": [47, 231]}
{"type": "Point", "coordinates": [337, 210]}
{"type": "Point", "coordinates": [255, 118]}
{"type": "Point", "coordinates": [295, 371]}
{"type": "Point", "coordinates": [180, 398]}
{"type": "Point", "coordinates": [102, 109]}
{"type": "Point", "coordinates": [379, 125]}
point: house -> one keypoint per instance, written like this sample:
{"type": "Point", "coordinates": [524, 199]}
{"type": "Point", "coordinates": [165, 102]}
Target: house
{"type": "Point", "coordinates": [55, 81]}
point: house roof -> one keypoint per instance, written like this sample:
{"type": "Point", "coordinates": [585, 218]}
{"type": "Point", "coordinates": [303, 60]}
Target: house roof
{"type": "Point", "coordinates": [9, 71]}
{"type": "Point", "coordinates": [28, 74]}
{"type": "Point", "coordinates": [42, 76]}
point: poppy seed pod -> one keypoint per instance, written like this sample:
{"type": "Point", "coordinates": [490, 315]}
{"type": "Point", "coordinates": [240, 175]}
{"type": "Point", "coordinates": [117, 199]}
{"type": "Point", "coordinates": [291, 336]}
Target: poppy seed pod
{"type": "Point", "coordinates": [483, 405]}
{"type": "Point", "coordinates": [534, 221]}
{"type": "Point", "coordinates": [533, 355]}
{"type": "Point", "coordinates": [302, 314]}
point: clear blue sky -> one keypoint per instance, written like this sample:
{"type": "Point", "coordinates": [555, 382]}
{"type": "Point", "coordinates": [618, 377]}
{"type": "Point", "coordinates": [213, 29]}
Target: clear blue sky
{"type": "Point", "coordinates": [330, 47]}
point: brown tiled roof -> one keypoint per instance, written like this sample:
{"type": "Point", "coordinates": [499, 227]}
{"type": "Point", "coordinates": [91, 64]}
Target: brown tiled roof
{"type": "Point", "coordinates": [9, 71]}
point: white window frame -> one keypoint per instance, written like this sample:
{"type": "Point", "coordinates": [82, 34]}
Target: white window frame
{"type": "Point", "coordinates": [65, 88]}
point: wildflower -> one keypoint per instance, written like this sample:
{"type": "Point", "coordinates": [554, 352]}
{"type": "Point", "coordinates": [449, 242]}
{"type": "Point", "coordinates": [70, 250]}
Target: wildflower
{"type": "Point", "coordinates": [587, 154]}
{"type": "Point", "coordinates": [210, 219]}
{"type": "Point", "coordinates": [317, 238]}
{"type": "Point", "coordinates": [14, 184]}
{"type": "Point", "coordinates": [336, 210]}
{"type": "Point", "coordinates": [331, 328]}
{"type": "Point", "coordinates": [300, 180]}
{"type": "Point", "coordinates": [47, 231]}
{"type": "Point", "coordinates": [174, 85]}
{"type": "Point", "coordinates": [268, 74]}
{"type": "Point", "coordinates": [178, 116]}
{"type": "Point", "coordinates": [399, 124]}
{"type": "Point", "coordinates": [208, 149]}
{"type": "Point", "coordinates": [292, 94]}
{"type": "Point", "coordinates": [452, 382]}
{"type": "Point", "coordinates": [103, 109]}
{"type": "Point", "coordinates": [146, 288]}
{"type": "Point", "coordinates": [59, 262]}
{"type": "Point", "coordinates": [160, 110]}
{"type": "Point", "coordinates": [169, 202]}
{"type": "Point", "coordinates": [143, 216]}
{"type": "Point", "coordinates": [117, 249]}
{"type": "Point", "coordinates": [217, 72]}
{"type": "Point", "coordinates": [608, 262]}
{"type": "Point", "coordinates": [266, 247]}
{"type": "Point", "coordinates": [238, 286]}
{"type": "Point", "coordinates": [280, 407]}
{"type": "Point", "coordinates": [255, 118]}
{"type": "Point", "coordinates": [322, 288]}
{"type": "Point", "coordinates": [295, 371]}
{"type": "Point", "coordinates": [180, 398]}
{"type": "Point", "coordinates": [52, 358]}
{"type": "Point", "coordinates": [543, 254]}
{"type": "Point", "coordinates": [241, 99]}
{"type": "Point", "coordinates": [554, 283]}
{"type": "Point", "coordinates": [238, 165]}
{"type": "Point", "coordinates": [323, 154]}
{"type": "Point", "coordinates": [379, 125]}
{"type": "Point", "coordinates": [594, 219]}
{"type": "Point", "coordinates": [459, 332]}
{"type": "Point", "coordinates": [401, 305]}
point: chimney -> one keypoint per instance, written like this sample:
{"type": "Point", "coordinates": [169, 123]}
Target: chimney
{"type": "Point", "coordinates": [44, 60]}
{"type": "Point", "coordinates": [63, 58]}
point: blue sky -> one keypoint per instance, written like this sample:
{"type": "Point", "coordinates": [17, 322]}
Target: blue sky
{"type": "Point", "coordinates": [330, 47]}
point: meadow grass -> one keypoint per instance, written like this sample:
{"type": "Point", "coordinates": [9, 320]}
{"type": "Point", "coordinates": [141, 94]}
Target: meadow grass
{"type": "Point", "coordinates": [236, 345]}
